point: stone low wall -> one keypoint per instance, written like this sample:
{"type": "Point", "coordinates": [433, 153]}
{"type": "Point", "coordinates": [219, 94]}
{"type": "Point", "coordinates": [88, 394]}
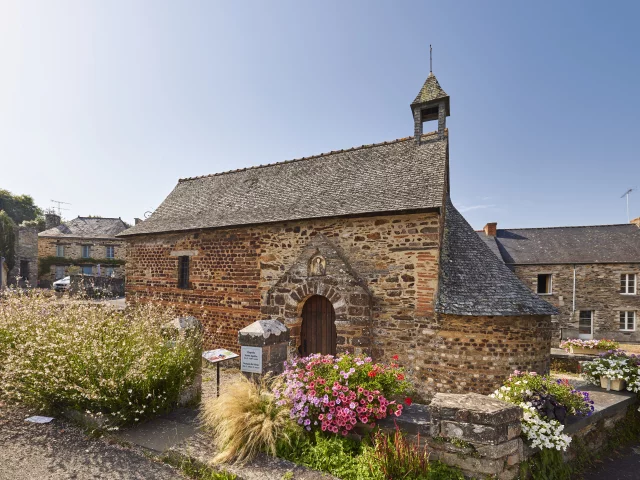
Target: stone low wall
{"type": "Point", "coordinates": [481, 435]}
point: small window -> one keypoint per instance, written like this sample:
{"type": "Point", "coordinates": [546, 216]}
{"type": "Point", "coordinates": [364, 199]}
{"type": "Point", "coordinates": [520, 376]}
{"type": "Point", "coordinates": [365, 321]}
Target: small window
{"type": "Point", "coordinates": [59, 272]}
{"type": "Point", "coordinates": [87, 269]}
{"type": "Point", "coordinates": [585, 324]}
{"type": "Point", "coordinates": [108, 271]}
{"type": "Point", "coordinates": [59, 250]}
{"type": "Point", "coordinates": [86, 251]}
{"type": "Point", "coordinates": [110, 251]}
{"type": "Point", "coordinates": [628, 283]}
{"type": "Point", "coordinates": [627, 321]}
{"type": "Point", "coordinates": [544, 284]}
{"type": "Point", "coordinates": [183, 272]}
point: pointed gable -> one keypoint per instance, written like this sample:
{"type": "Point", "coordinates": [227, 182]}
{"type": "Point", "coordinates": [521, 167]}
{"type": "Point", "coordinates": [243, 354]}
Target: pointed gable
{"type": "Point", "coordinates": [474, 281]}
{"type": "Point", "coordinates": [430, 91]}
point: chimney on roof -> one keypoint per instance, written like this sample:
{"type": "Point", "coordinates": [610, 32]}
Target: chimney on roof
{"type": "Point", "coordinates": [137, 221]}
{"type": "Point", "coordinates": [636, 221]}
{"type": "Point", "coordinates": [51, 220]}
{"type": "Point", "coordinates": [490, 229]}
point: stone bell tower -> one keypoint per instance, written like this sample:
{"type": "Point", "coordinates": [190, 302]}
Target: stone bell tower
{"type": "Point", "coordinates": [432, 103]}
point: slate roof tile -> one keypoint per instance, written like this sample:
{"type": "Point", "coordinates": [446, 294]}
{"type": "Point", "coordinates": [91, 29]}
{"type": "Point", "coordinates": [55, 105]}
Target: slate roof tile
{"type": "Point", "coordinates": [87, 227]}
{"type": "Point", "coordinates": [568, 245]}
{"type": "Point", "coordinates": [386, 177]}
{"type": "Point", "coordinates": [474, 281]}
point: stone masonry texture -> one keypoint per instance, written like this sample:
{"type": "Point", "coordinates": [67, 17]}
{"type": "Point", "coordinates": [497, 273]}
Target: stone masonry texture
{"type": "Point", "coordinates": [380, 274]}
{"type": "Point", "coordinates": [597, 289]}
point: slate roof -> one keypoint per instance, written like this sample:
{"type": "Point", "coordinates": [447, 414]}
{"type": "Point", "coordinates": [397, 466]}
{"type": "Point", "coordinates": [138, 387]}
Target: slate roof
{"type": "Point", "coordinates": [430, 91]}
{"type": "Point", "coordinates": [87, 227]}
{"type": "Point", "coordinates": [385, 177]}
{"type": "Point", "coordinates": [568, 245]}
{"type": "Point", "coordinates": [473, 281]}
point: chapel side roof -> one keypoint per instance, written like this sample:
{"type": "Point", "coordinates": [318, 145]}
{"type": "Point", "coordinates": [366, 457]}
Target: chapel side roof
{"type": "Point", "coordinates": [387, 177]}
{"type": "Point", "coordinates": [87, 227]}
{"type": "Point", "coordinates": [473, 281]}
{"type": "Point", "coordinates": [569, 245]}
{"type": "Point", "coordinates": [430, 91]}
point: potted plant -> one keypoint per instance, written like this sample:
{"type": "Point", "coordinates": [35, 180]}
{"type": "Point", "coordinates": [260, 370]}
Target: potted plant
{"type": "Point", "coordinates": [612, 370]}
{"type": "Point", "coordinates": [589, 347]}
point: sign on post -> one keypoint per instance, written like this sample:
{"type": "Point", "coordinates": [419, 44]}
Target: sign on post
{"type": "Point", "coordinates": [251, 359]}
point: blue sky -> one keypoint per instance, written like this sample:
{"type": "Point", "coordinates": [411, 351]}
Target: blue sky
{"type": "Point", "coordinates": [106, 104]}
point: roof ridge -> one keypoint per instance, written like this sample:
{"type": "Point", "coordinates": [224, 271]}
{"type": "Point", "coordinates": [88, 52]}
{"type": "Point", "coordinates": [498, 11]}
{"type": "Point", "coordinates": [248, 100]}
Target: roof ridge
{"type": "Point", "coordinates": [312, 157]}
{"type": "Point", "coordinates": [567, 226]}
{"type": "Point", "coordinates": [97, 218]}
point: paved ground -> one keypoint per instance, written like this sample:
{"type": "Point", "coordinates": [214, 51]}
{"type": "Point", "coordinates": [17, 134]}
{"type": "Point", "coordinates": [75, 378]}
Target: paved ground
{"type": "Point", "coordinates": [60, 450]}
{"type": "Point", "coordinates": [625, 465]}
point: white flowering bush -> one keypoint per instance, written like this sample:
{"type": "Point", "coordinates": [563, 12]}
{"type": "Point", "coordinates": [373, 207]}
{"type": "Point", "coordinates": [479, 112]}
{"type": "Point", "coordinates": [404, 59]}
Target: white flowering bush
{"type": "Point", "coordinates": [542, 432]}
{"type": "Point", "coordinates": [545, 405]}
{"type": "Point", "coordinates": [616, 365]}
{"type": "Point", "coordinates": [122, 366]}
{"type": "Point", "coordinates": [602, 344]}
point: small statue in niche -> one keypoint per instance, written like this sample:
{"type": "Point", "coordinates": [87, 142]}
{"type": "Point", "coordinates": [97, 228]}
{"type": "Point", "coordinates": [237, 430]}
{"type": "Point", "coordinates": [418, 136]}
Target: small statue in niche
{"type": "Point", "coordinates": [317, 266]}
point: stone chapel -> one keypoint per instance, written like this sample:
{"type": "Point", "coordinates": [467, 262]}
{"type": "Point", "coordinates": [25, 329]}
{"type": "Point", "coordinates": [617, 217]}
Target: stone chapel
{"type": "Point", "coordinates": [357, 250]}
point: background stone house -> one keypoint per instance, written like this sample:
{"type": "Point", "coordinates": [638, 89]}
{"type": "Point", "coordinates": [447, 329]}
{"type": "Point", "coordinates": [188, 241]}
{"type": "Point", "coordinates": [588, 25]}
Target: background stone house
{"type": "Point", "coordinates": [25, 270]}
{"type": "Point", "coordinates": [357, 250]}
{"type": "Point", "coordinates": [589, 273]}
{"type": "Point", "coordinates": [86, 244]}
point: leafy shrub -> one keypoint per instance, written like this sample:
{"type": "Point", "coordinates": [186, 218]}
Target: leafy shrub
{"type": "Point", "coordinates": [245, 420]}
{"type": "Point", "coordinates": [545, 403]}
{"type": "Point", "coordinates": [616, 365]}
{"type": "Point", "coordinates": [335, 393]}
{"type": "Point", "coordinates": [602, 344]}
{"type": "Point", "coordinates": [122, 366]}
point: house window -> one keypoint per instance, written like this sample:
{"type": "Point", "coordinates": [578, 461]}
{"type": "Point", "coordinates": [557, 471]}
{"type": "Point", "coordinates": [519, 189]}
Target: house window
{"type": "Point", "coordinates": [628, 321]}
{"type": "Point", "coordinates": [59, 272]}
{"type": "Point", "coordinates": [628, 283]}
{"type": "Point", "coordinates": [183, 272]}
{"type": "Point", "coordinates": [59, 250]}
{"type": "Point", "coordinates": [110, 250]}
{"type": "Point", "coordinates": [544, 283]}
{"type": "Point", "coordinates": [86, 251]}
{"type": "Point", "coordinates": [108, 271]}
{"type": "Point", "coordinates": [87, 269]}
{"type": "Point", "coordinates": [585, 325]}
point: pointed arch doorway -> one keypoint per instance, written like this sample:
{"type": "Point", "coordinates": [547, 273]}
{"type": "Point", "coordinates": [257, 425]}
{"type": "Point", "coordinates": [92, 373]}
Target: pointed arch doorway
{"type": "Point", "coordinates": [318, 332]}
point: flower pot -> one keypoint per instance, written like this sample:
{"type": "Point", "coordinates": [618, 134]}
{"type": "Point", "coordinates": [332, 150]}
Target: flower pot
{"type": "Point", "coordinates": [616, 385]}
{"type": "Point", "coordinates": [585, 351]}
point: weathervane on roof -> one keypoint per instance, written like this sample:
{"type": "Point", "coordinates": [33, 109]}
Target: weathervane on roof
{"type": "Point", "coordinates": [430, 59]}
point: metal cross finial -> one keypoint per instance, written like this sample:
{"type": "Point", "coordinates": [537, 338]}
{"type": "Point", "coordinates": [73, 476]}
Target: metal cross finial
{"type": "Point", "coordinates": [430, 59]}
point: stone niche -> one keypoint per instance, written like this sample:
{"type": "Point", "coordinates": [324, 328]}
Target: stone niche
{"type": "Point", "coordinates": [322, 269]}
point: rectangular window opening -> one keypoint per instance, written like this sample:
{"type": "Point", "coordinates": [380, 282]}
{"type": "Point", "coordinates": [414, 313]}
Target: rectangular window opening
{"type": "Point", "coordinates": [544, 283]}
{"type": "Point", "coordinates": [585, 325]}
{"type": "Point", "coordinates": [24, 269]}
{"type": "Point", "coordinates": [59, 272]}
{"type": "Point", "coordinates": [87, 269]}
{"type": "Point", "coordinates": [183, 272]}
{"type": "Point", "coordinates": [110, 251]}
{"type": "Point", "coordinates": [59, 250]}
{"type": "Point", "coordinates": [86, 251]}
{"type": "Point", "coordinates": [628, 283]}
{"type": "Point", "coordinates": [628, 321]}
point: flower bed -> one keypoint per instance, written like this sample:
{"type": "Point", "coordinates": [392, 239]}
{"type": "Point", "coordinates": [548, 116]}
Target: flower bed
{"type": "Point", "coordinates": [614, 365]}
{"type": "Point", "coordinates": [333, 394]}
{"type": "Point", "coordinates": [117, 366]}
{"type": "Point", "coordinates": [545, 403]}
{"type": "Point", "coordinates": [589, 347]}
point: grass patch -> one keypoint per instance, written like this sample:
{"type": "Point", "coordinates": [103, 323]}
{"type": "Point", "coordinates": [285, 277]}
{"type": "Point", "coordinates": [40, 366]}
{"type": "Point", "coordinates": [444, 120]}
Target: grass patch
{"type": "Point", "coordinates": [196, 470]}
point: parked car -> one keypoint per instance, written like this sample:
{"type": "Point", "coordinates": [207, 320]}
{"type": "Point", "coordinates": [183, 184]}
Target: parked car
{"type": "Point", "coordinates": [62, 284]}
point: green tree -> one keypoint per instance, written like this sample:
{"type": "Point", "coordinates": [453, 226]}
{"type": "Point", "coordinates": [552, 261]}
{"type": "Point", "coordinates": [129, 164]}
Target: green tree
{"type": "Point", "coordinates": [20, 208]}
{"type": "Point", "coordinates": [7, 239]}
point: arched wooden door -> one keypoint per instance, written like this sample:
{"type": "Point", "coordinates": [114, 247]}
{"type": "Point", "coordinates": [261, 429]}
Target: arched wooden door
{"type": "Point", "coordinates": [318, 333]}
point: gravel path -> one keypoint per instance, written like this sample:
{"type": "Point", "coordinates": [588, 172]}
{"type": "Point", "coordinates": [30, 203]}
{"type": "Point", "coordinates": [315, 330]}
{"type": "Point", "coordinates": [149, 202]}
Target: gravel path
{"type": "Point", "coordinates": [60, 450]}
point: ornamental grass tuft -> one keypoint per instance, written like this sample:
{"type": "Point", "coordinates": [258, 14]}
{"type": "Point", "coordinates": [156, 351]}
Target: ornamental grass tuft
{"type": "Point", "coordinates": [245, 420]}
{"type": "Point", "coordinates": [118, 366]}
